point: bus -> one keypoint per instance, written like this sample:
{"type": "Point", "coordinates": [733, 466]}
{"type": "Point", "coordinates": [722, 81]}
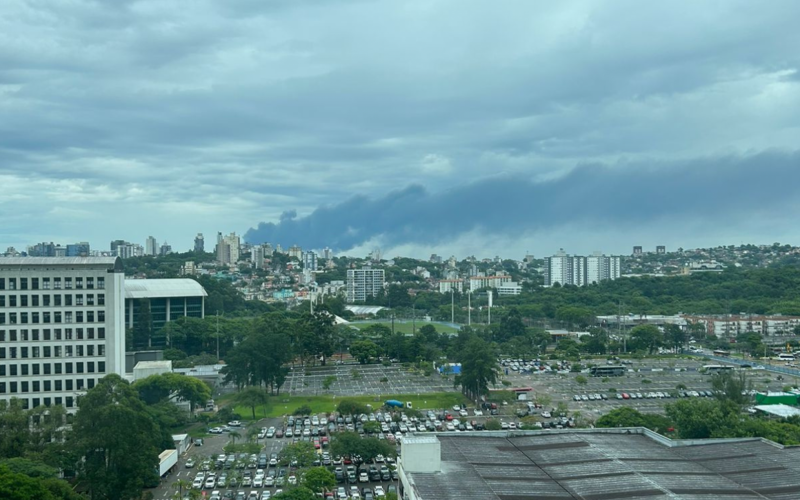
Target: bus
{"type": "Point", "coordinates": [786, 356]}
{"type": "Point", "coordinates": [720, 352]}
{"type": "Point", "coordinates": [716, 368]}
{"type": "Point", "coordinates": [608, 371]}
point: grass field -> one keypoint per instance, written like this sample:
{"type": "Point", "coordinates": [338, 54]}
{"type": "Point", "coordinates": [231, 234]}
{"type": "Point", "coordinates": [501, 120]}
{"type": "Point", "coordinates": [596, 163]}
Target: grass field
{"type": "Point", "coordinates": [406, 327]}
{"type": "Point", "coordinates": [286, 405]}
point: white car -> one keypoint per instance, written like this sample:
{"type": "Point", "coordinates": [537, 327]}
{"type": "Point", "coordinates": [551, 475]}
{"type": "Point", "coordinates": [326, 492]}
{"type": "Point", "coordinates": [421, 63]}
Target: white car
{"type": "Point", "coordinates": [258, 482]}
{"type": "Point", "coordinates": [463, 413]}
{"type": "Point", "coordinates": [478, 413]}
{"type": "Point", "coordinates": [379, 491]}
{"type": "Point", "coordinates": [234, 423]}
{"type": "Point", "coordinates": [363, 477]}
{"type": "Point", "coordinates": [265, 495]}
{"type": "Point", "coordinates": [210, 483]}
{"type": "Point", "coordinates": [292, 479]}
{"type": "Point", "coordinates": [451, 427]}
{"type": "Point", "coordinates": [269, 482]}
{"type": "Point", "coordinates": [545, 414]}
{"type": "Point", "coordinates": [198, 483]}
{"type": "Point", "coordinates": [456, 407]}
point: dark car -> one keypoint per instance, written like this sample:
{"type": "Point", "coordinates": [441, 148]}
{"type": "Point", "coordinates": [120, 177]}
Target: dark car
{"type": "Point", "coordinates": [374, 473]}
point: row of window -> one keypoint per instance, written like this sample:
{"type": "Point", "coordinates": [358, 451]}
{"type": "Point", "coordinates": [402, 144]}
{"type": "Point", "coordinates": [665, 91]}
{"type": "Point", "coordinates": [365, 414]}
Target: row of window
{"type": "Point", "coordinates": [55, 300]}
{"type": "Point", "coordinates": [68, 402]}
{"type": "Point", "coordinates": [46, 334]}
{"type": "Point", "coordinates": [52, 368]}
{"type": "Point", "coordinates": [26, 387]}
{"type": "Point", "coordinates": [55, 351]}
{"type": "Point", "coordinates": [47, 317]}
{"type": "Point", "coordinates": [56, 283]}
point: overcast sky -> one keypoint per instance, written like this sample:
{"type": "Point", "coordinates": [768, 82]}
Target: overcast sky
{"type": "Point", "coordinates": [456, 127]}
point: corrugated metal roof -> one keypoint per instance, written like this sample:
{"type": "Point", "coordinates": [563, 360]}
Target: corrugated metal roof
{"type": "Point", "coordinates": [57, 261]}
{"type": "Point", "coordinates": [154, 289]}
{"type": "Point", "coordinates": [607, 465]}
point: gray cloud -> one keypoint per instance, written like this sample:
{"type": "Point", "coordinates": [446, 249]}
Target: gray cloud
{"type": "Point", "coordinates": [721, 189]}
{"type": "Point", "coordinates": [228, 113]}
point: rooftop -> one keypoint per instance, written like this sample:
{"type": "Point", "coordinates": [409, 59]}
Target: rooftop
{"type": "Point", "coordinates": [159, 288]}
{"type": "Point", "coordinates": [146, 365]}
{"type": "Point", "coordinates": [782, 411]}
{"type": "Point", "coordinates": [608, 464]}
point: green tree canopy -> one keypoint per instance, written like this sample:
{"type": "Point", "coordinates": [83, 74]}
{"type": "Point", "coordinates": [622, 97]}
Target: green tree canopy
{"type": "Point", "coordinates": [252, 397]}
{"type": "Point", "coordinates": [319, 479]}
{"type": "Point", "coordinates": [117, 438]}
{"type": "Point", "coordinates": [479, 367]}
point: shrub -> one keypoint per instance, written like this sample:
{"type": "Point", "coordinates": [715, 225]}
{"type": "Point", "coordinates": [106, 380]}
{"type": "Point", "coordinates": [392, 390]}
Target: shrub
{"type": "Point", "coordinates": [493, 425]}
{"type": "Point", "coordinates": [647, 381]}
{"type": "Point", "coordinates": [384, 380]}
{"type": "Point", "coordinates": [604, 380]}
{"type": "Point", "coordinates": [581, 380]}
{"type": "Point", "coordinates": [612, 390]}
{"type": "Point", "coordinates": [505, 383]}
{"type": "Point", "coordinates": [303, 410]}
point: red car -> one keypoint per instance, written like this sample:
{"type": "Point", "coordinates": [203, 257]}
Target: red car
{"type": "Point", "coordinates": [448, 417]}
{"type": "Point", "coordinates": [625, 395]}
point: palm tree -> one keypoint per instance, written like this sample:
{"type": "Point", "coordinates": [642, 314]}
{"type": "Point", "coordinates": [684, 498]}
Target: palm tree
{"type": "Point", "coordinates": [181, 484]}
{"type": "Point", "coordinates": [234, 435]}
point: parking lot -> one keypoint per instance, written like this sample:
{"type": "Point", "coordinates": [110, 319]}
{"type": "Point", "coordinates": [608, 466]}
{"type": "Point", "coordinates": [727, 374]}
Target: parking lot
{"type": "Point", "coordinates": [644, 376]}
{"type": "Point", "coordinates": [367, 381]}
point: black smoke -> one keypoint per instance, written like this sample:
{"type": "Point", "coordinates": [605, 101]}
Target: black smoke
{"type": "Point", "coordinates": [719, 189]}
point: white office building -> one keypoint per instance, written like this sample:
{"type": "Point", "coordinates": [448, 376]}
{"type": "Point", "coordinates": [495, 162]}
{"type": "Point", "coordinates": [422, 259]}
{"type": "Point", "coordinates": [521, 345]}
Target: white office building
{"type": "Point", "coordinates": [310, 261]}
{"type": "Point", "coordinates": [61, 327]}
{"type": "Point", "coordinates": [257, 256]}
{"type": "Point", "coordinates": [363, 283]}
{"type": "Point", "coordinates": [449, 286]}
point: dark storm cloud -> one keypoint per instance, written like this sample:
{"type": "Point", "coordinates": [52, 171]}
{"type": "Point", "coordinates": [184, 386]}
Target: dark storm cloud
{"type": "Point", "coordinates": [720, 189]}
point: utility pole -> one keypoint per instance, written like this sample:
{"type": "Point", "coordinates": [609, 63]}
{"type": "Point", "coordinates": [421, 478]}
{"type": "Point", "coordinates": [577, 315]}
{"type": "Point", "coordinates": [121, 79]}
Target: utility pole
{"type": "Point", "coordinates": [469, 308]}
{"type": "Point", "coordinates": [452, 303]}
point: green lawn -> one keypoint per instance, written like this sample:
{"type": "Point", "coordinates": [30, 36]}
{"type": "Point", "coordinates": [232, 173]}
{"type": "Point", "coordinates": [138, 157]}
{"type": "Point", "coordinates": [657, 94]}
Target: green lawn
{"type": "Point", "coordinates": [405, 326]}
{"type": "Point", "coordinates": [286, 405]}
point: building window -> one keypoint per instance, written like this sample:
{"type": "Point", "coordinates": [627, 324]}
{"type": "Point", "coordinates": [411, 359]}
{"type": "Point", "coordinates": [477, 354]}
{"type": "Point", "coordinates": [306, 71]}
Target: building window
{"type": "Point", "coordinates": [90, 367]}
{"type": "Point", "coordinates": [2, 370]}
{"type": "Point", "coordinates": [35, 402]}
{"type": "Point", "coordinates": [68, 317]}
{"type": "Point", "coordinates": [67, 351]}
{"type": "Point", "coordinates": [23, 318]}
{"type": "Point", "coordinates": [34, 283]}
{"type": "Point", "coordinates": [46, 334]}
{"type": "Point", "coordinates": [68, 283]}
{"type": "Point", "coordinates": [67, 300]}
{"type": "Point", "coordinates": [69, 384]}
{"type": "Point", "coordinates": [79, 351]}
{"type": "Point", "coordinates": [79, 317]}
{"type": "Point", "coordinates": [67, 333]}
{"type": "Point", "coordinates": [2, 283]}
{"type": "Point", "coordinates": [35, 318]}
{"type": "Point", "coordinates": [47, 387]}
{"type": "Point", "coordinates": [101, 366]}
{"type": "Point", "coordinates": [90, 333]}
{"type": "Point", "coordinates": [23, 283]}
{"type": "Point", "coordinates": [79, 283]}
{"type": "Point", "coordinates": [2, 300]}
{"type": "Point", "coordinates": [59, 384]}
{"type": "Point", "coordinates": [46, 317]}
{"type": "Point", "coordinates": [12, 301]}
{"type": "Point", "coordinates": [12, 318]}
{"type": "Point", "coordinates": [2, 353]}
{"type": "Point", "coordinates": [12, 284]}
{"type": "Point", "coordinates": [101, 316]}
{"type": "Point", "coordinates": [68, 367]}
{"type": "Point", "coordinates": [36, 387]}
{"type": "Point", "coordinates": [90, 283]}
{"type": "Point", "coordinates": [89, 299]}
{"type": "Point", "coordinates": [90, 316]}
{"type": "Point", "coordinates": [79, 367]}
{"type": "Point", "coordinates": [45, 283]}
{"type": "Point", "coordinates": [101, 333]}
{"type": "Point", "coordinates": [90, 383]}
{"type": "Point", "coordinates": [24, 352]}
{"type": "Point", "coordinates": [101, 283]}
{"type": "Point", "coordinates": [12, 370]}
{"type": "Point", "coordinates": [57, 300]}
{"type": "Point", "coordinates": [35, 368]}
{"type": "Point", "coordinates": [35, 352]}
{"type": "Point", "coordinates": [34, 300]}
{"type": "Point", "coordinates": [46, 368]}
{"type": "Point", "coordinates": [57, 332]}
{"type": "Point", "coordinates": [57, 351]}
{"type": "Point", "coordinates": [13, 386]}
{"type": "Point", "coordinates": [101, 349]}
{"type": "Point", "coordinates": [23, 301]}
{"type": "Point", "coordinates": [69, 401]}
{"type": "Point", "coordinates": [35, 334]}
{"type": "Point", "coordinates": [56, 283]}
{"type": "Point", "coordinates": [101, 299]}
{"type": "Point", "coordinates": [79, 384]}
{"type": "Point", "coordinates": [25, 386]}
{"type": "Point", "coordinates": [57, 317]}
{"type": "Point", "coordinates": [79, 300]}
{"type": "Point", "coordinates": [90, 350]}
{"type": "Point", "coordinates": [2, 387]}
{"type": "Point", "coordinates": [59, 400]}
{"type": "Point", "coordinates": [23, 335]}
{"type": "Point", "coordinates": [23, 369]}
{"type": "Point", "coordinates": [46, 300]}
{"type": "Point", "coordinates": [79, 333]}
{"type": "Point", "coordinates": [2, 318]}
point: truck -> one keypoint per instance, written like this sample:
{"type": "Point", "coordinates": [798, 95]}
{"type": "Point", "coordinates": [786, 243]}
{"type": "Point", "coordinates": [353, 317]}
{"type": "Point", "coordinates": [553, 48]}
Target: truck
{"type": "Point", "coordinates": [167, 459]}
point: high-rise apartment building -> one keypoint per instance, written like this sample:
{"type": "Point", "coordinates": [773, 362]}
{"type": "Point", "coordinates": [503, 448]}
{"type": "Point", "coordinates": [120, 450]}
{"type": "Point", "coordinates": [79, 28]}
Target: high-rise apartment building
{"type": "Point", "coordinates": [363, 283]}
{"type": "Point", "coordinates": [576, 270]}
{"type": "Point", "coordinates": [43, 249]}
{"type": "Point", "coordinates": [310, 260]}
{"type": "Point", "coordinates": [296, 252]}
{"type": "Point", "coordinates": [228, 248]}
{"type": "Point", "coordinates": [661, 249]}
{"type": "Point", "coordinates": [257, 256]}
{"type": "Point", "coordinates": [637, 250]}
{"type": "Point", "coordinates": [165, 249]}
{"type": "Point", "coordinates": [151, 246]}
{"type": "Point", "coordinates": [61, 327]}
{"type": "Point", "coordinates": [199, 243]}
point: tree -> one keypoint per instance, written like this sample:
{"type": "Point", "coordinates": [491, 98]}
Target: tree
{"type": "Point", "coordinates": [701, 418]}
{"type": "Point", "coordinates": [233, 436]}
{"type": "Point", "coordinates": [14, 486]}
{"type": "Point", "coordinates": [510, 326]}
{"type": "Point", "coordinates": [350, 407]}
{"type": "Point", "coordinates": [731, 387]}
{"type": "Point", "coordinates": [493, 424]}
{"type": "Point", "coordinates": [300, 454]}
{"type": "Point", "coordinates": [158, 388]}
{"type": "Point", "coordinates": [351, 443]}
{"type": "Point", "coordinates": [646, 337]}
{"type": "Point", "coordinates": [252, 397]}
{"type": "Point", "coordinates": [319, 480]}
{"type": "Point", "coordinates": [181, 485]}
{"type": "Point", "coordinates": [329, 380]}
{"type": "Point", "coordinates": [479, 368]}
{"type": "Point", "coordinates": [675, 336]}
{"type": "Point", "coordinates": [43, 478]}
{"type": "Point", "coordinates": [117, 438]}
{"type": "Point", "coordinates": [299, 493]}
{"type": "Point", "coordinates": [364, 350]}
{"type": "Point", "coordinates": [629, 417]}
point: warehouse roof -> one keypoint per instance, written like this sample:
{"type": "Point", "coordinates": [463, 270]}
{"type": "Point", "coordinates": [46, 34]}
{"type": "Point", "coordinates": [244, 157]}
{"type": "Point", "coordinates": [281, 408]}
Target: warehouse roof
{"type": "Point", "coordinates": [607, 464]}
{"type": "Point", "coordinates": [780, 410]}
{"type": "Point", "coordinates": [154, 289]}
